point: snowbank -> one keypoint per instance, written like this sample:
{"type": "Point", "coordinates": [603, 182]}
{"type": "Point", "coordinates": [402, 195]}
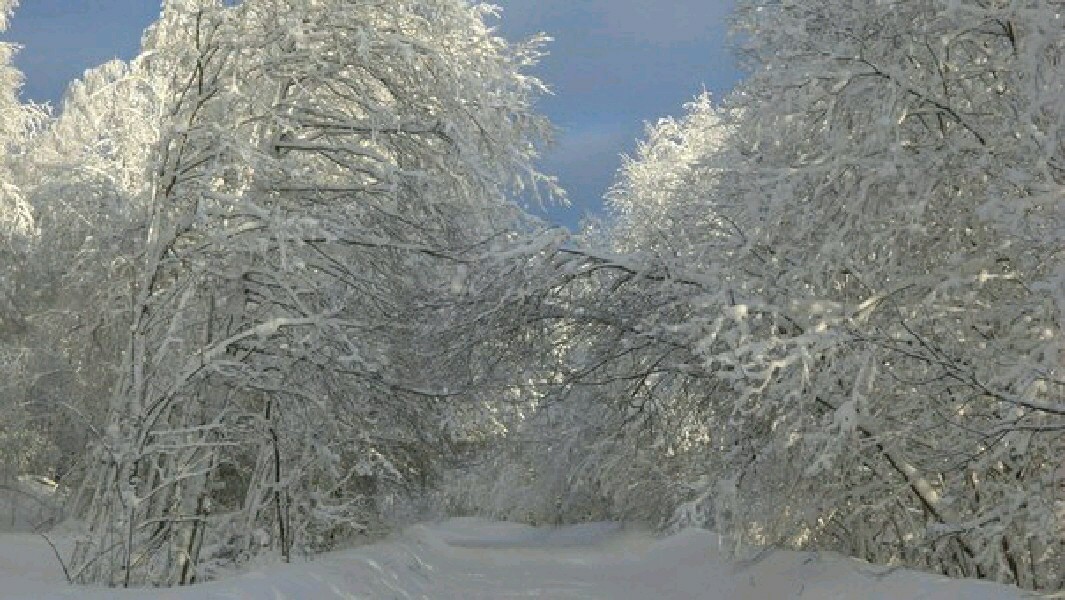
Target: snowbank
{"type": "Point", "coordinates": [472, 559]}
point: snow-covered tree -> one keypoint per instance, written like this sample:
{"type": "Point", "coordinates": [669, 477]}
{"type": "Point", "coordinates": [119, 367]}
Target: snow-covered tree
{"type": "Point", "coordinates": [21, 446]}
{"type": "Point", "coordinates": [903, 181]}
{"type": "Point", "coordinates": [657, 205]}
{"type": "Point", "coordinates": [873, 288]}
{"type": "Point", "coordinates": [325, 174]}
{"type": "Point", "coordinates": [16, 219]}
{"type": "Point", "coordinates": [85, 177]}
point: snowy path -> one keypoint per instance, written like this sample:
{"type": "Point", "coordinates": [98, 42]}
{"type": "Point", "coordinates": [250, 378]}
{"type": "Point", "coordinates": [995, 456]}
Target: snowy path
{"type": "Point", "coordinates": [471, 559]}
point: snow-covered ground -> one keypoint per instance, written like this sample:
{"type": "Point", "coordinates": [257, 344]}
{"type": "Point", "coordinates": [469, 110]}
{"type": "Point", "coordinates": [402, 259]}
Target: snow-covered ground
{"type": "Point", "coordinates": [473, 559]}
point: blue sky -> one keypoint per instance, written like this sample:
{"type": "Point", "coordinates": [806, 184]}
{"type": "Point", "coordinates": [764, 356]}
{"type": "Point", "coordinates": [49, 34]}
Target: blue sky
{"type": "Point", "coordinates": [614, 65]}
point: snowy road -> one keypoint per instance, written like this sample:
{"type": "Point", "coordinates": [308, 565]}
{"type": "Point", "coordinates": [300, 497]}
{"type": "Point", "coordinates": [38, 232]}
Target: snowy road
{"type": "Point", "coordinates": [471, 559]}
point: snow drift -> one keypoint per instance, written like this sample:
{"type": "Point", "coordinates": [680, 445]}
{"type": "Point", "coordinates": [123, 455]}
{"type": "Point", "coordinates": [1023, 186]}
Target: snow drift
{"type": "Point", "coordinates": [473, 559]}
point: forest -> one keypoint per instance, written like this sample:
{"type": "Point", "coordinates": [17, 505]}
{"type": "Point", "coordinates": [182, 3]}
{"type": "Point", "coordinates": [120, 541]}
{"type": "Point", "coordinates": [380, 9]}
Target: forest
{"type": "Point", "coordinates": [273, 288]}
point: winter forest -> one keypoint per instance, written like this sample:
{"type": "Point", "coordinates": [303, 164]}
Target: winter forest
{"type": "Point", "coordinates": [272, 288]}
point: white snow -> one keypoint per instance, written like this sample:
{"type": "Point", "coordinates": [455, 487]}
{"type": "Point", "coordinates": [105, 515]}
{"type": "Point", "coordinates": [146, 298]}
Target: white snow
{"type": "Point", "coordinates": [473, 559]}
